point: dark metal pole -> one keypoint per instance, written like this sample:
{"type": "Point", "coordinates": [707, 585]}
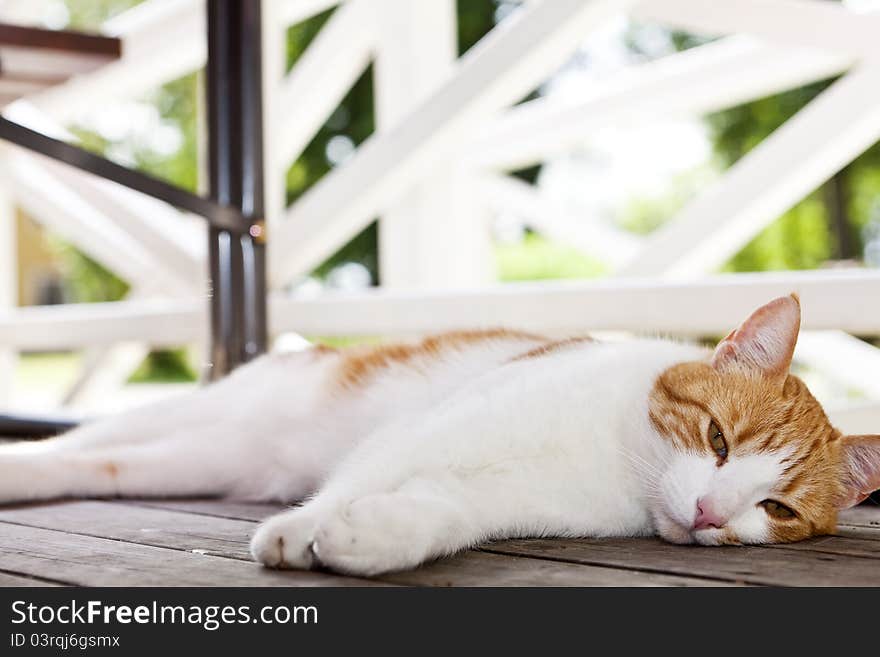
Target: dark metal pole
{"type": "Point", "coordinates": [235, 146]}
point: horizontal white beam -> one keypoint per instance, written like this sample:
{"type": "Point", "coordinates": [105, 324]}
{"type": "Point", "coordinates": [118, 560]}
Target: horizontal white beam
{"type": "Point", "coordinates": [709, 78]}
{"type": "Point", "coordinates": [711, 306]}
{"type": "Point", "coordinates": [289, 12]}
{"type": "Point", "coordinates": [509, 62]}
{"type": "Point", "coordinates": [160, 322]}
{"type": "Point", "coordinates": [808, 23]}
{"type": "Point", "coordinates": [320, 78]}
{"type": "Point", "coordinates": [804, 152]}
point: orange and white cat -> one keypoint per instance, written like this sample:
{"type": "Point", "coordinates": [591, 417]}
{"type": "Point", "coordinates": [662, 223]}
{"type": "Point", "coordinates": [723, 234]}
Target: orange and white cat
{"type": "Point", "coordinates": [410, 452]}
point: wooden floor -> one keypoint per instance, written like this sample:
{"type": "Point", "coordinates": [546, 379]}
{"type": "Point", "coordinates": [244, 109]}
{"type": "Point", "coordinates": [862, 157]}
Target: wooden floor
{"type": "Point", "coordinates": [205, 543]}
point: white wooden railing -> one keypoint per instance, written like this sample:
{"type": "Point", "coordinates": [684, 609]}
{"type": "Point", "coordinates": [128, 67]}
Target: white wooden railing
{"type": "Point", "coordinates": [447, 133]}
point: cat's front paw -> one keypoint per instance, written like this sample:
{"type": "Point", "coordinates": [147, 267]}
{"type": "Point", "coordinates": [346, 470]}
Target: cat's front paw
{"type": "Point", "coordinates": [371, 535]}
{"type": "Point", "coordinates": [285, 540]}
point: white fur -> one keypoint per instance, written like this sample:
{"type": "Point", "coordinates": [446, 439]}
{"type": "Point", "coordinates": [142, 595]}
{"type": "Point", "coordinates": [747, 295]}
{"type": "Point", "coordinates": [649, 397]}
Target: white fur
{"type": "Point", "coordinates": [428, 458]}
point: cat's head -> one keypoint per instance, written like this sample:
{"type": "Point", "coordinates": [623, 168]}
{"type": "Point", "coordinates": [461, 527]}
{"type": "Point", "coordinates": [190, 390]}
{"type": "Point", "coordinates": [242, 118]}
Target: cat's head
{"type": "Point", "coordinates": [747, 455]}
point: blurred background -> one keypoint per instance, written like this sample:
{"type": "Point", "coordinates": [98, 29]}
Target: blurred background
{"type": "Point", "coordinates": [575, 212]}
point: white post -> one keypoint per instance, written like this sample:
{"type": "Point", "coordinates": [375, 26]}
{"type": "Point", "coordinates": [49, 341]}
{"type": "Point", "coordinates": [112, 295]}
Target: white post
{"type": "Point", "coordinates": [274, 53]}
{"type": "Point", "coordinates": [8, 288]}
{"type": "Point", "coordinates": [506, 65]}
{"type": "Point", "coordinates": [424, 241]}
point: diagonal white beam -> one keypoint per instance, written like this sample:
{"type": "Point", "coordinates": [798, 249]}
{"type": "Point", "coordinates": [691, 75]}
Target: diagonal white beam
{"type": "Point", "coordinates": [721, 74]}
{"type": "Point", "coordinates": [104, 370]}
{"type": "Point", "coordinates": [590, 236]}
{"type": "Point", "coordinates": [508, 63]}
{"type": "Point", "coordinates": [806, 23]}
{"type": "Point", "coordinates": [62, 209]}
{"type": "Point", "coordinates": [161, 41]}
{"type": "Point", "coordinates": [176, 241]}
{"type": "Point", "coordinates": [171, 238]}
{"type": "Point", "coordinates": [809, 148]}
{"type": "Point", "coordinates": [289, 12]}
{"type": "Point", "coordinates": [321, 77]}
{"type": "Point", "coordinates": [848, 360]}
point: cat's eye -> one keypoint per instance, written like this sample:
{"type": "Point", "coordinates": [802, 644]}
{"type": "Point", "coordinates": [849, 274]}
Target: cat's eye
{"type": "Point", "coordinates": [777, 510]}
{"type": "Point", "coordinates": [716, 440]}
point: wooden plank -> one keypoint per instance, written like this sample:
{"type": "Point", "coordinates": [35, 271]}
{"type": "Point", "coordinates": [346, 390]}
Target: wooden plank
{"type": "Point", "coordinates": [864, 515]}
{"type": "Point", "coordinates": [225, 537]}
{"type": "Point", "coordinates": [189, 532]}
{"type": "Point", "coordinates": [752, 565]}
{"type": "Point", "coordinates": [194, 528]}
{"type": "Point", "coordinates": [856, 531]}
{"type": "Point", "coordinates": [9, 579]}
{"type": "Point", "coordinates": [853, 543]}
{"type": "Point", "coordinates": [67, 41]}
{"type": "Point", "coordinates": [487, 569]}
{"type": "Point", "coordinates": [254, 511]}
{"type": "Point", "coordinates": [90, 561]}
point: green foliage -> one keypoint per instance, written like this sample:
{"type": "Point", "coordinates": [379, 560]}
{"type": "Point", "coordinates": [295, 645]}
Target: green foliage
{"type": "Point", "coordinates": [643, 215]}
{"type": "Point", "coordinates": [806, 235]}
{"type": "Point", "coordinates": [475, 18]}
{"type": "Point", "coordinates": [165, 366]}
{"type": "Point", "coordinates": [85, 280]}
{"type": "Point", "coordinates": [799, 239]}
{"type": "Point", "coordinates": [87, 15]}
{"type": "Point", "coordinates": [536, 258]}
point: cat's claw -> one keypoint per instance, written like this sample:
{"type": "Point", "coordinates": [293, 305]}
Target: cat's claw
{"type": "Point", "coordinates": [285, 541]}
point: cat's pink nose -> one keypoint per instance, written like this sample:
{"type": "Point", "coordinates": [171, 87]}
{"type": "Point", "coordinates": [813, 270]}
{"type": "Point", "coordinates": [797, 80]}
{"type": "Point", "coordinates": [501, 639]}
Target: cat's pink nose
{"type": "Point", "coordinates": [707, 516]}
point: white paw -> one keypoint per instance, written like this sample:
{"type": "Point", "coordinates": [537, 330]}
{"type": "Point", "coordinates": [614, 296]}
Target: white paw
{"type": "Point", "coordinates": [371, 535]}
{"type": "Point", "coordinates": [284, 541]}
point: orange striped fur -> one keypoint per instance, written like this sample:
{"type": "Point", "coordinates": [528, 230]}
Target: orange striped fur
{"type": "Point", "coordinates": [359, 365]}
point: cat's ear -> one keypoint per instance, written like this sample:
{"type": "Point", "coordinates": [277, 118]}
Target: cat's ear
{"type": "Point", "coordinates": [764, 343]}
{"type": "Point", "coordinates": [860, 464]}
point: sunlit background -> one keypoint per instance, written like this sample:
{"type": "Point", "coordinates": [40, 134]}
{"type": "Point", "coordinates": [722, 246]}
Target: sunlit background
{"type": "Point", "coordinates": [626, 179]}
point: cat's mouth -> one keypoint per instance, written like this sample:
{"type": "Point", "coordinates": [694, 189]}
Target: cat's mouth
{"type": "Point", "coordinates": [672, 531]}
